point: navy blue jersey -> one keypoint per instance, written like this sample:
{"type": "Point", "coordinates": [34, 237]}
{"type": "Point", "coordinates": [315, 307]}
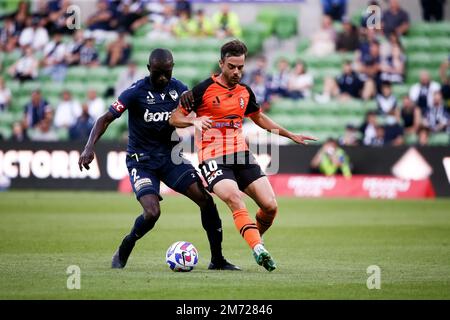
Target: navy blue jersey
{"type": "Point", "coordinates": [149, 111]}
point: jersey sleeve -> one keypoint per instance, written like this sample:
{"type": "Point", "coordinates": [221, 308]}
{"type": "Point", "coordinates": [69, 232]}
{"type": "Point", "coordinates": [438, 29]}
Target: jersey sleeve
{"type": "Point", "coordinates": [252, 106]}
{"type": "Point", "coordinates": [124, 102]}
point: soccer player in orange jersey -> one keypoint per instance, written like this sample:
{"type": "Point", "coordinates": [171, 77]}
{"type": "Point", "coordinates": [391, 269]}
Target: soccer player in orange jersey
{"type": "Point", "coordinates": [221, 102]}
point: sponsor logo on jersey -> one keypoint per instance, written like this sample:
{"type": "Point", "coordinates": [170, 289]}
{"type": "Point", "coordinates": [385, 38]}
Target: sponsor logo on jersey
{"type": "Point", "coordinates": [241, 102]}
{"type": "Point", "coordinates": [156, 116]}
{"type": "Point", "coordinates": [214, 175]}
{"type": "Point", "coordinates": [118, 106]}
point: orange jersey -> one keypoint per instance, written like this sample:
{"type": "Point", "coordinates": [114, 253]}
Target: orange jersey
{"type": "Point", "coordinates": [227, 109]}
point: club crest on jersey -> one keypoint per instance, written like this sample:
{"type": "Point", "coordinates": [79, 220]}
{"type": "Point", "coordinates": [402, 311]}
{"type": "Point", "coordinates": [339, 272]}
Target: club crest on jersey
{"type": "Point", "coordinates": [150, 98]}
{"type": "Point", "coordinates": [173, 95]}
{"type": "Point", "coordinates": [241, 102]}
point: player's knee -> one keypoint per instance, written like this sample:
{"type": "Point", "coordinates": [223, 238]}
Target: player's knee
{"type": "Point", "coordinates": [152, 212]}
{"type": "Point", "coordinates": [270, 207]}
{"type": "Point", "coordinates": [234, 200]}
{"type": "Point", "coordinates": [204, 199]}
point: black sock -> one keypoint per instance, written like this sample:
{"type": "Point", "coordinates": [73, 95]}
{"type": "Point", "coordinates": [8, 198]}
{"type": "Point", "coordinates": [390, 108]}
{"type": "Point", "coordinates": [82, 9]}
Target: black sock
{"type": "Point", "coordinates": [140, 228]}
{"type": "Point", "coordinates": [213, 226]}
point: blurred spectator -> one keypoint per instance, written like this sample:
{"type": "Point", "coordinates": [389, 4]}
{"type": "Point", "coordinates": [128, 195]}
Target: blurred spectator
{"type": "Point", "coordinates": [19, 134]}
{"type": "Point", "coordinates": [369, 67]}
{"type": "Point", "coordinates": [21, 15]}
{"type": "Point", "coordinates": [118, 51]}
{"type": "Point", "coordinates": [259, 88]}
{"type": "Point", "coordinates": [54, 61]}
{"type": "Point", "coordinates": [432, 9]}
{"type": "Point", "coordinates": [437, 119]}
{"type": "Point", "coordinates": [369, 127]}
{"type": "Point", "coordinates": [67, 111]}
{"type": "Point", "coordinates": [422, 93]}
{"type": "Point", "coordinates": [348, 39]}
{"type": "Point", "coordinates": [35, 110]}
{"type": "Point", "coordinates": [411, 116]}
{"type": "Point", "coordinates": [26, 67]}
{"type": "Point", "coordinates": [127, 77]}
{"type": "Point", "coordinates": [33, 35]}
{"type": "Point", "coordinates": [40, 13]}
{"type": "Point", "coordinates": [386, 100]}
{"type": "Point", "coordinates": [163, 26]}
{"type": "Point", "coordinates": [278, 82]}
{"type": "Point", "coordinates": [395, 19]}
{"type": "Point", "coordinates": [445, 78]}
{"type": "Point", "coordinates": [59, 18]}
{"type": "Point", "coordinates": [82, 126]}
{"type": "Point", "coordinates": [346, 86]}
{"type": "Point", "coordinates": [96, 105]}
{"type": "Point", "coordinates": [126, 18]}
{"type": "Point", "coordinates": [74, 48]}
{"type": "Point", "coordinates": [350, 137]}
{"type": "Point", "coordinates": [184, 28]}
{"type": "Point", "coordinates": [368, 37]}
{"type": "Point", "coordinates": [9, 35]}
{"type": "Point", "coordinates": [300, 82]}
{"type": "Point", "coordinates": [226, 23]}
{"type": "Point", "coordinates": [101, 18]}
{"type": "Point", "coordinates": [331, 159]}
{"type": "Point", "coordinates": [154, 12]}
{"type": "Point", "coordinates": [393, 130]}
{"type": "Point", "coordinates": [378, 139]}
{"type": "Point", "coordinates": [202, 25]}
{"type": "Point", "coordinates": [336, 9]}
{"type": "Point", "coordinates": [260, 68]}
{"type": "Point", "coordinates": [5, 95]}
{"type": "Point", "coordinates": [43, 131]}
{"type": "Point", "coordinates": [423, 136]}
{"type": "Point", "coordinates": [183, 5]}
{"type": "Point", "coordinates": [88, 54]}
{"type": "Point", "coordinates": [393, 64]}
{"type": "Point", "coordinates": [323, 41]}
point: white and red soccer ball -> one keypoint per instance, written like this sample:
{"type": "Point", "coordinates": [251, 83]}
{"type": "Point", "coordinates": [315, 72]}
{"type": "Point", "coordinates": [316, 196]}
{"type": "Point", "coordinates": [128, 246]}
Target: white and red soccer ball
{"type": "Point", "coordinates": [182, 256]}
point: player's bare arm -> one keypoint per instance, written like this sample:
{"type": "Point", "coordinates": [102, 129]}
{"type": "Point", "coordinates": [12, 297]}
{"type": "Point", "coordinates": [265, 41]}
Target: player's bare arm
{"type": "Point", "coordinates": [179, 120]}
{"type": "Point", "coordinates": [97, 131]}
{"type": "Point", "coordinates": [268, 124]}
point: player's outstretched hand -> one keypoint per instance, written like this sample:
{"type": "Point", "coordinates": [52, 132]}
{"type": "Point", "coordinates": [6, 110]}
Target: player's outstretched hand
{"type": "Point", "coordinates": [202, 123]}
{"type": "Point", "coordinates": [187, 100]}
{"type": "Point", "coordinates": [301, 139]}
{"type": "Point", "coordinates": [85, 159]}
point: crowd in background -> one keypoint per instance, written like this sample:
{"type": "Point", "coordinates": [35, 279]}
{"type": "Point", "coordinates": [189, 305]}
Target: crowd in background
{"type": "Point", "coordinates": [378, 64]}
{"type": "Point", "coordinates": [49, 48]}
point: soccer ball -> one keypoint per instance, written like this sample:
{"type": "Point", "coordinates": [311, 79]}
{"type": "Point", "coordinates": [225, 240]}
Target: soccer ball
{"type": "Point", "coordinates": [182, 256]}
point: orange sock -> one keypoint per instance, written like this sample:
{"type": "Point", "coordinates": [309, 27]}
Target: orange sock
{"type": "Point", "coordinates": [246, 227]}
{"type": "Point", "coordinates": [264, 220]}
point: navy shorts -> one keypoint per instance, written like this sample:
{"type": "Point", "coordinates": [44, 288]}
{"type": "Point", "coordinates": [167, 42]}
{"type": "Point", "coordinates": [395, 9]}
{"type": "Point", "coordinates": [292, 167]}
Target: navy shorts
{"type": "Point", "coordinates": [240, 167]}
{"type": "Point", "coordinates": [147, 171]}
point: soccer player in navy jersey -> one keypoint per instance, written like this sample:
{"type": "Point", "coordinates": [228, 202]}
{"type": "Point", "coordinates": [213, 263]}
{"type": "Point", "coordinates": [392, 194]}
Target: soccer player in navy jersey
{"type": "Point", "coordinates": [150, 102]}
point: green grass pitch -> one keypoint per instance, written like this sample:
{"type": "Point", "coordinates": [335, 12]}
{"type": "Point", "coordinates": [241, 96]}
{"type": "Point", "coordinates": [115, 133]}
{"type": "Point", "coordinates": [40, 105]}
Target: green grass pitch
{"type": "Point", "coordinates": [322, 248]}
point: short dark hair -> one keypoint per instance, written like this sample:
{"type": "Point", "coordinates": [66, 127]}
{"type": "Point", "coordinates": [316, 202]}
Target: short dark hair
{"type": "Point", "coordinates": [160, 54]}
{"type": "Point", "coordinates": [234, 48]}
